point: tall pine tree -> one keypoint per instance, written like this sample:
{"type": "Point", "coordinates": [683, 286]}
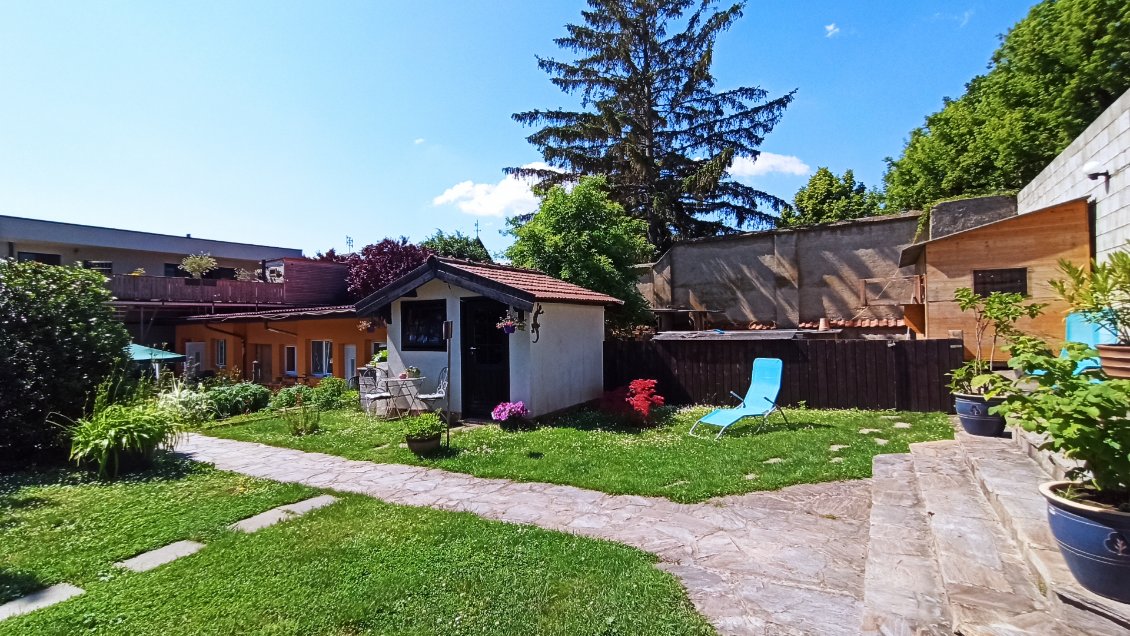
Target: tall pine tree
{"type": "Point", "coordinates": [653, 122]}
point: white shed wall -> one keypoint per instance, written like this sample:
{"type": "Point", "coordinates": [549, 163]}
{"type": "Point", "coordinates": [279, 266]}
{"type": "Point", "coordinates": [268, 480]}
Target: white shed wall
{"type": "Point", "coordinates": [567, 363]}
{"type": "Point", "coordinates": [1107, 142]}
{"type": "Point", "coordinates": [430, 363]}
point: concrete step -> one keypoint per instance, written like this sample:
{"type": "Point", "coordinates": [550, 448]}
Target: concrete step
{"type": "Point", "coordinates": [1008, 478]}
{"type": "Point", "coordinates": [986, 581]}
{"type": "Point", "coordinates": [902, 593]}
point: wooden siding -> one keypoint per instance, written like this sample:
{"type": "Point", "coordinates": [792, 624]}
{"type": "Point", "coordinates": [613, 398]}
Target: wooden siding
{"type": "Point", "coordinates": [1036, 241]}
{"type": "Point", "coordinates": [153, 288]}
{"type": "Point", "coordinates": [908, 375]}
{"type": "Point", "coordinates": [314, 283]}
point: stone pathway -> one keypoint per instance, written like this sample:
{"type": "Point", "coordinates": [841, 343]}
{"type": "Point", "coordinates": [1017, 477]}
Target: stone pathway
{"type": "Point", "coordinates": [784, 562]}
{"type": "Point", "coordinates": [38, 600]}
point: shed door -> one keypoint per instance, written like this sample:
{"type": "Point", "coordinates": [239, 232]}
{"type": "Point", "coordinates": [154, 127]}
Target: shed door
{"type": "Point", "coordinates": [485, 349]}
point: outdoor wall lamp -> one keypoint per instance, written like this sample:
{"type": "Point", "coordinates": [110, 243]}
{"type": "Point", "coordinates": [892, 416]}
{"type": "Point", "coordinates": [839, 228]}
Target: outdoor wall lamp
{"type": "Point", "coordinates": [1093, 171]}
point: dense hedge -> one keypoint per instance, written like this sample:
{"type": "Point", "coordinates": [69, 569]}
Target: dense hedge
{"type": "Point", "coordinates": [234, 399]}
{"type": "Point", "coordinates": [58, 341]}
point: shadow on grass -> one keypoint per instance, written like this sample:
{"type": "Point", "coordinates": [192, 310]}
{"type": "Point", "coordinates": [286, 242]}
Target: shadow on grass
{"type": "Point", "coordinates": [166, 467]}
{"type": "Point", "coordinates": [14, 584]}
{"type": "Point", "coordinates": [754, 428]}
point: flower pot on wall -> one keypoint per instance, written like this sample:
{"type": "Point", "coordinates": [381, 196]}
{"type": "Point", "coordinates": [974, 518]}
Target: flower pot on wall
{"type": "Point", "coordinates": [1094, 541]}
{"type": "Point", "coordinates": [1115, 360]}
{"type": "Point", "coordinates": [973, 413]}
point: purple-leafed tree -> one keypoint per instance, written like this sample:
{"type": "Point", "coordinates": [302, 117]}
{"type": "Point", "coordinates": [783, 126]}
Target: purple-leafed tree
{"type": "Point", "coordinates": [381, 263]}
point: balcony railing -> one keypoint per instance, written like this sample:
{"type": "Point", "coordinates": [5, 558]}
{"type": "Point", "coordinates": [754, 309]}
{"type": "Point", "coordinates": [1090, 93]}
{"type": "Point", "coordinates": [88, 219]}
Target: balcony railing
{"type": "Point", "coordinates": [897, 290]}
{"type": "Point", "coordinates": [159, 288]}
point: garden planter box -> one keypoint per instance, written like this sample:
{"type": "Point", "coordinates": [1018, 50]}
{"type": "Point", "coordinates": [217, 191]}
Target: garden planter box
{"type": "Point", "coordinates": [1094, 541]}
{"type": "Point", "coordinates": [973, 412]}
{"type": "Point", "coordinates": [424, 446]}
{"type": "Point", "coordinates": [1115, 360]}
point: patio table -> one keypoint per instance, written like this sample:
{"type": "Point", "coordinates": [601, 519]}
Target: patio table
{"type": "Point", "coordinates": [403, 390]}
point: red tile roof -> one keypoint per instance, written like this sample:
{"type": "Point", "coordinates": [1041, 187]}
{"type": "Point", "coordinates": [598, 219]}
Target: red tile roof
{"type": "Point", "coordinates": [543, 287]}
{"type": "Point", "coordinates": [843, 324]}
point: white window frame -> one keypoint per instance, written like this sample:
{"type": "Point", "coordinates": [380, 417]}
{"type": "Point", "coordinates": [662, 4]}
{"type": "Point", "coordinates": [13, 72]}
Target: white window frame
{"type": "Point", "coordinates": [221, 353]}
{"type": "Point", "coordinates": [326, 359]}
{"type": "Point", "coordinates": [290, 360]}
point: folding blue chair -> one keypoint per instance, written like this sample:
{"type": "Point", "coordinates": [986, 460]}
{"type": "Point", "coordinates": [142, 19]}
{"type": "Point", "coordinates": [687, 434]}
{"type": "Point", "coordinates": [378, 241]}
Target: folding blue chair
{"type": "Point", "coordinates": [759, 401]}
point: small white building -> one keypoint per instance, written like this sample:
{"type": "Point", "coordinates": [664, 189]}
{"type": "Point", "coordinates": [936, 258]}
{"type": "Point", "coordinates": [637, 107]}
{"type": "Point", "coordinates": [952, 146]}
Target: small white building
{"type": "Point", "coordinates": [556, 362]}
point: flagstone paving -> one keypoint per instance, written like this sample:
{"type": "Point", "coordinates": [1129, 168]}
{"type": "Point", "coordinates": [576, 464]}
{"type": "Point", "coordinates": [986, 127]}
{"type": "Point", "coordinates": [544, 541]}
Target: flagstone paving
{"type": "Point", "coordinates": [783, 562]}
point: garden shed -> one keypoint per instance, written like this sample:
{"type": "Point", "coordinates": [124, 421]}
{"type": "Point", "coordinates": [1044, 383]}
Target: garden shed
{"type": "Point", "coordinates": [553, 360]}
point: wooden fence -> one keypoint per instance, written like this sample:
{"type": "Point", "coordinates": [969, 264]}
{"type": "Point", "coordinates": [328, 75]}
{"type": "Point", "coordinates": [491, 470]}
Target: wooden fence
{"type": "Point", "coordinates": [909, 375]}
{"type": "Point", "coordinates": [125, 287]}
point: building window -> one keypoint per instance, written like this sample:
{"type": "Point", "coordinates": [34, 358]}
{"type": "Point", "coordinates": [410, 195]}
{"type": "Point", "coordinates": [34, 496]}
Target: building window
{"type": "Point", "coordinates": [106, 268]}
{"type": "Point", "coordinates": [221, 353]}
{"type": "Point", "coordinates": [987, 281]}
{"type": "Point", "coordinates": [421, 325]}
{"type": "Point", "coordinates": [173, 270]}
{"type": "Point", "coordinates": [38, 257]}
{"type": "Point", "coordinates": [321, 357]}
{"type": "Point", "coordinates": [290, 360]}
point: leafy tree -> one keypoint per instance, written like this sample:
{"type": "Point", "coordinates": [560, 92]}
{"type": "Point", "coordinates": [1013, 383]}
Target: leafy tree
{"type": "Point", "coordinates": [653, 122]}
{"type": "Point", "coordinates": [58, 341]}
{"type": "Point", "coordinates": [381, 263]}
{"type": "Point", "coordinates": [457, 245]}
{"type": "Point", "coordinates": [828, 198]}
{"type": "Point", "coordinates": [585, 238]}
{"type": "Point", "coordinates": [1054, 73]}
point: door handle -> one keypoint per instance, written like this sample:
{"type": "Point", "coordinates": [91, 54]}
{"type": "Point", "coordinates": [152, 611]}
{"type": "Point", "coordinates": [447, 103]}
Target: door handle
{"type": "Point", "coordinates": [471, 349]}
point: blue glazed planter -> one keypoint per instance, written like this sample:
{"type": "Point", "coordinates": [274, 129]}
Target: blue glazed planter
{"type": "Point", "coordinates": [1094, 541]}
{"type": "Point", "coordinates": [973, 413]}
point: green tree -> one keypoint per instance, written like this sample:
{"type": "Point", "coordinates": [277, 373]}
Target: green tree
{"type": "Point", "coordinates": [1054, 73]}
{"type": "Point", "coordinates": [58, 341]}
{"type": "Point", "coordinates": [828, 198]}
{"type": "Point", "coordinates": [457, 245]}
{"type": "Point", "coordinates": [585, 238]}
{"type": "Point", "coordinates": [653, 122]}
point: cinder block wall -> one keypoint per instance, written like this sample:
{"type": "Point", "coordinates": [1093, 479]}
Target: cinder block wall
{"type": "Point", "coordinates": [1107, 142]}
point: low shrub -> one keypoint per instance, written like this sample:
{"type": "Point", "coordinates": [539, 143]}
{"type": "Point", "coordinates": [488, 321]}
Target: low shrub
{"type": "Point", "coordinates": [635, 404]}
{"type": "Point", "coordinates": [119, 431]}
{"type": "Point", "coordinates": [291, 396]}
{"type": "Point", "coordinates": [423, 426]}
{"type": "Point", "coordinates": [350, 400]}
{"type": "Point", "coordinates": [189, 405]}
{"type": "Point", "coordinates": [235, 399]}
{"type": "Point", "coordinates": [327, 395]}
{"type": "Point", "coordinates": [511, 415]}
{"type": "Point", "coordinates": [302, 419]}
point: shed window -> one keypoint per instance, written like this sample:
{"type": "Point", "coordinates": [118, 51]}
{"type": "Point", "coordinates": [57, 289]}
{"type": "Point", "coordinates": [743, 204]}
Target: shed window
{"type": "Point", "coordinates": [421, 326]}
{"type": "Point", "coordinates": [321, 357]}
{"type": "Point", "coordinates": [987, 281]}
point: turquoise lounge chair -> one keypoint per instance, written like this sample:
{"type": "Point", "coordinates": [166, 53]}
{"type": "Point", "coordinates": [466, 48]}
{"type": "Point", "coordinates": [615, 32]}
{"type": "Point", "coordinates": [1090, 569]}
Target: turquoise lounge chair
{"type": "Point", "coordinates": [759, 401]}
{"type": "Point", "coordinates": [1078, 329]}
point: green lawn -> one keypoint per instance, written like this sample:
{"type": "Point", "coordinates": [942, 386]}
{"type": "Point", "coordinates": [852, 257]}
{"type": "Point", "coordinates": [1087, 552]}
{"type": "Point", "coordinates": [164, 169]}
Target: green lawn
{"type": "Point", "coordinates": [584, 449]}
{"type": "Point", "coordinates": [358, 566]}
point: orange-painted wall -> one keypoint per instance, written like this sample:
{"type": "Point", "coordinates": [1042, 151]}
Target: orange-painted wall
{"type": "Point", "coordinates": [340, 331]}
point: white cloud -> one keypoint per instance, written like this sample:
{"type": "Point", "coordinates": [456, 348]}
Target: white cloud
{"type": "Point", "coordinates": [418, 141]}
{"type": "Point", "coordinates": [831, 30]}
{"type": "Point", "coordinates": [508, 197]}
{"type": "Point", "coordinates": [768, 163]}
{"type": "Point", "coordinates": [965, 18]}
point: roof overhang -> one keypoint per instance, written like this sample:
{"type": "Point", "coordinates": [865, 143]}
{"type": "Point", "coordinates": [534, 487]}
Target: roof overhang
{"type": "Point", "coordinates": [434, 269]}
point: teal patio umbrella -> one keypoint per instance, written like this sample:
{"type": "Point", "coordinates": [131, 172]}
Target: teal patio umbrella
{"type": "Point", "coordinates": [141, 354]}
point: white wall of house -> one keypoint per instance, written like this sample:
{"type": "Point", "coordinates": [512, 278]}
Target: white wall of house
{"type": "Point", "coordinates": [1106, 142]}
{"type": "Point", "coordinates": [567, 362]}
{"type": "Point", "coordinates": [124, 261]}
{"type": "Point", "coordinates": [430, 363]}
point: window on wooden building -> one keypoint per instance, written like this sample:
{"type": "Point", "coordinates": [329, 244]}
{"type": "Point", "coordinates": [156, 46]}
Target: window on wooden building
{"type": "Point", "coordinates": [321, 357]}
{"type": "Point", "coordinates": [421, 326]}
{"type": "Point", "coordinates": [987, 281]}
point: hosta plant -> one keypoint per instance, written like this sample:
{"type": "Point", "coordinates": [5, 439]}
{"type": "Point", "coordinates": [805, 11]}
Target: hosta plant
{"type": "Point", "coordinates": [117, 430]}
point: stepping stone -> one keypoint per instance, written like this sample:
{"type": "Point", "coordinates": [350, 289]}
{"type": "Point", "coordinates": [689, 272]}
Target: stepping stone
{"type": "Point", "coordinates": [868, 431]}
{"type": "Point", "coordinates": [835, 448]}
{"type": "Point", "coordinates": [880, 441]}
{"type": "Point", "coordinates": [837, 460]}
{"type": "Point", "coordinates": [752, 476]}
{"type": "Point", "coordinates": [38, 600]}
{"type": "Point", "coordinates": [888, 417]}
{"type": "Point", "coordinates": [902, 424]}
{"type": "Point", "coordinates": [773, 460]}
{"type": "Point", "coordinates": [281, 513]}
{"type": "Point", "coordinates": [149, 560]}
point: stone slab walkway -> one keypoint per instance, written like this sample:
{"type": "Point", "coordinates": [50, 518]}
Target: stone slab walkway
{"type": "Point", "coordinates": [148, 560]}
{"type": "Point", "coordinates": [38, 600]}
{"type": "Point", "coordinates": [784, 562]}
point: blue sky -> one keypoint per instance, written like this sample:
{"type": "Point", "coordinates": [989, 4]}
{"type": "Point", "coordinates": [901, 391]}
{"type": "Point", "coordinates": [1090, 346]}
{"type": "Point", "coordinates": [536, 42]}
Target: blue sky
{"type": "Point", "coordinates": [300, 123]}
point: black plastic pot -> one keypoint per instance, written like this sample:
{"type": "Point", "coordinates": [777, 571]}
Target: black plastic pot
{"type": "Point", "coordinates": [1094, 541]}
{"type": "Point", "coordinates": [973, 413]}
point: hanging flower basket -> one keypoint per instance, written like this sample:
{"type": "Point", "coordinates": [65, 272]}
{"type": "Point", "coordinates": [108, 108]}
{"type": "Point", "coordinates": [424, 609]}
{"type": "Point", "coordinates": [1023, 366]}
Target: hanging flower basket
{"type": "Point", "coordinates": [365, 325]}
{"type": "Point", "coordinates": [510, 324]}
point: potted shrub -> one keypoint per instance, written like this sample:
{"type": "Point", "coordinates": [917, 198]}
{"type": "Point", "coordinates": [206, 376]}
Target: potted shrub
{"type": "Point", "coordinates": [1089, 421]}
{"type": "Point", "coordinates": [198, 265]}
{"type": "Point", "coordinates": [970, 382]}
{"type": "Point", "coordinates": [1102, 294]}
{"type": "Point", "coordinates": [423, 433]}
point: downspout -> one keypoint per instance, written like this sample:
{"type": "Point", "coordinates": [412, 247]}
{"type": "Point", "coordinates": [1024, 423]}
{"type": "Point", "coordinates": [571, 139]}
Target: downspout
{"type": "Point", "coordinates": [242, 339]}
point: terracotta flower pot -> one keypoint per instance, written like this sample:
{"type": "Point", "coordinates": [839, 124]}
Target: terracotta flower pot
{"type": "Point", "coordinates": [1115, 360]}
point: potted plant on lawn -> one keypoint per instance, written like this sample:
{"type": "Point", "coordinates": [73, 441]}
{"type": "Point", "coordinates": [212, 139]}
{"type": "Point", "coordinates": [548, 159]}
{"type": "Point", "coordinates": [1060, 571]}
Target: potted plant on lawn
{"type": "Point", "coordinates": [1102, 294]}
{"type": "Point", "coordinates": [1089, 421]}
{"type": "Point", "coordinates": [423, 433]}
{"type": "Point", "coordinates": [511, 415]}
{"type": "Point", "coordinates": [970, 382]}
